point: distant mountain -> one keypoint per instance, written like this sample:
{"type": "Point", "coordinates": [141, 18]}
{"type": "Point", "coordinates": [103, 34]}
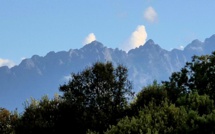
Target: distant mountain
{"type": "Point", "coordinates": [42, 75]}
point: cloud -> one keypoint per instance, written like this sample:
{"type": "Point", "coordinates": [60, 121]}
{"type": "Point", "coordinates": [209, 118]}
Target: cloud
{"type": "Point", "coordinates": [91, 37]}
{"type": "Point", "coordinates": [67, 77]}
{"type": "Point", "coordinates": [181, 47]}
{"type": "Point", "coordinates": [137, 38]}
{"type": "Point", "coordinates": [150, 15]}
{"type": "Point", "coordinates": [6, 62]}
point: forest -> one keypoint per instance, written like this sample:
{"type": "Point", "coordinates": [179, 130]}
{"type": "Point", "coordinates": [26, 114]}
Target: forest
{"type": "Point", "coordinates": [101, 100]}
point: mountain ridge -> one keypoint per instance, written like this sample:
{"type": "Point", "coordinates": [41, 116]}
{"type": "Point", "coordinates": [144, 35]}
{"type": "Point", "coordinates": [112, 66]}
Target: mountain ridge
{"type": "Point", "coordinates": [42, 75]}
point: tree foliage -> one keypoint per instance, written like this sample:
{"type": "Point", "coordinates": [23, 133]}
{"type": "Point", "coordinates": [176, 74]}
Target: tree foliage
{"type": "Point", "coordinates": [197, 75]}
{"type": "Point", "coordinates": [40, 116]}
{"type": "Point", "coordinates": [166, 118]}
{"type": "Point", "coordinates": [99, 94]}
{"type": "Point", "coordinates": [199, 103]}
{"type": "Point", "coordinates": [7, 121]}
{"type": "Point", "coordinates": [154, 92]}
{"type": "Point", "coordinates": [193, 114]}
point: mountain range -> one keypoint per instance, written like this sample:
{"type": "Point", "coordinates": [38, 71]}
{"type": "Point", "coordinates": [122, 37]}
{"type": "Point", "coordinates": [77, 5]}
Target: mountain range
{"type": "Point", "coordinates": [42, 75]}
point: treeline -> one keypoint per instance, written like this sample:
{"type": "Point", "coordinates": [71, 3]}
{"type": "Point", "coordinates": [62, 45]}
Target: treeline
{"type": "Point", "coordinates": [100, 100]}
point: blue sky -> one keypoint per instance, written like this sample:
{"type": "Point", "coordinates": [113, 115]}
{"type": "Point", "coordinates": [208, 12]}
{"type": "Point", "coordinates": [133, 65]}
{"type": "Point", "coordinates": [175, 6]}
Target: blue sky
{"type": "Point", "coordinates": [29, 27]}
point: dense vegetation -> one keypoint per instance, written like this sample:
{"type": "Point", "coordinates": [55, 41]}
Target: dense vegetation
{"type": "Point", "coordinates": [100, 100]}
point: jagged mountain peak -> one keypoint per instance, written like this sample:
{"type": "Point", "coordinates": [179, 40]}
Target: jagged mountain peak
{"type": "Point", "coordinates": [94, 44]}
{"type": "Point", "coordinates": [196, 41]}
{"type": "Point", "coordinates": [210, 39]}
{"type": "Point", "coordinates": [41, 75]}
{"type": "Point", "coordinates": [149, 46]}
{"type": "Point", "coordinates": [194, 44]}
{"type": "Point", "coordinates": [94, 47]}
{"type": "Point", "coordinates": [149, 42]}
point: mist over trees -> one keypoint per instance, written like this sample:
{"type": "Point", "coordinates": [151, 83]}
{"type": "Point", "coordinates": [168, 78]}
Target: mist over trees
{"type": "Point", "coordinates": [100, 100]}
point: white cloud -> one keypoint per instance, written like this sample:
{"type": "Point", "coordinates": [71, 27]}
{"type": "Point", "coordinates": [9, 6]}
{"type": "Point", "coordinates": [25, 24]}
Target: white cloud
{"type": "Point", "coordinates": [181, 47]}
{"type": "Point", "coordinates": [150, 15]}
{"type": "Point", "coordinates": [137, 38]}
{"type": "Point", "coordinates": [6, 62]}
{"type": "Point", "coordinates": [67, 77]}
{"type": "Point", "coordinates": [91, 37]}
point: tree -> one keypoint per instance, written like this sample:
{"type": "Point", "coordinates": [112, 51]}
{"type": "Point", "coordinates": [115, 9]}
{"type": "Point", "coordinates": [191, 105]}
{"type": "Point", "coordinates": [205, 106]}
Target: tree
{"type": "Point", "coordinates": [155, 92]}
{"type": "Point", "coordinates": [40, 116]}
{"type": "Point", "coordinates": [7, 121]}
{"type": "Point", "coordinates": [197, 75]}
{"type": "Point", "coordinates": [163, 119]}
{"type": "Point", "coordinates": [97, 96]}
{"type": "Point", "coordinates": [202, 104]}
{"type": "Point", "coordinates": [201, 112]}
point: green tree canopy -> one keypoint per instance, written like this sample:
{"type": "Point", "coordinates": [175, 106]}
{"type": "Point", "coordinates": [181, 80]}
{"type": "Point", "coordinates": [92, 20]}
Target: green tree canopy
{"type": "Point", "coordinates": [154, 92]}
{"type": "Point", "coordinates": [99, 94]}
{"type": "Point", "coordinates": [8, 121]}
{"type": "Point", "coordinates": [40, 116]}
{"type": "Point", "coordinates": [162, 119]}
{"type": "Point", "coordinates": [197, 75]}
{"type": "Point", "coordinates": [200, 103]}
